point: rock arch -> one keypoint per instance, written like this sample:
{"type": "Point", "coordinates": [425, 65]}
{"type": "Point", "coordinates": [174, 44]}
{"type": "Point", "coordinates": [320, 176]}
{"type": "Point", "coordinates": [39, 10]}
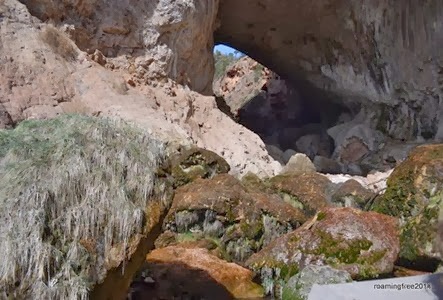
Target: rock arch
{"type": "Point", "coordinates": [381, 54]}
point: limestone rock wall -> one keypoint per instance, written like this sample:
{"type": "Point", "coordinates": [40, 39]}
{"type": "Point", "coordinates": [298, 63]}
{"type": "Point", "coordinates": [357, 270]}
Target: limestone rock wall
{"type": "Point", "coordinates": [150, 39]}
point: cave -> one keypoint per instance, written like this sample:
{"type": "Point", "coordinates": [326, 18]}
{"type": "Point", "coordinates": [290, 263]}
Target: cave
{"type": "Point", "coordinates": [289, 116]}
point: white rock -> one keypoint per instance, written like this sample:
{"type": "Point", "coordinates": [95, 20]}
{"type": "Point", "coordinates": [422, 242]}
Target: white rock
{"type": "Point", "coordinates": [299, 164]}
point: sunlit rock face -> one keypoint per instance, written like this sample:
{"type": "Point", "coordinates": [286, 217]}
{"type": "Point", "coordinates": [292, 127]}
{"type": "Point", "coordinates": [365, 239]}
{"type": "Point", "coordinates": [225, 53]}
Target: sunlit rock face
{"type": "Point", "coordinates": [151, 39]}
{"type": "Point", "coordinates": [382, 56]}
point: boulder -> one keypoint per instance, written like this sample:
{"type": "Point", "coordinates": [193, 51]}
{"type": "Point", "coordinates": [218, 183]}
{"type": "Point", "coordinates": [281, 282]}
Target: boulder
{"type": "Point", "coordinates": [353, 151]}
{"type": "Point", "coordinates": [326, 165]}
{"type": "Point", "coordinates": [299, 286]}
{"type": "Point", "coordinates": [276, 153]}
{"type": "Point", "coordinates": [240, 83]}
{"type": "Point", "coordinates": [194, 163]}
{"type": "Point", "coordinates": [241, 222]}
{"type": "Point", "coordinates": [356, 139]}
{"type": "Point", "coordinates": [253, 183]}
{"type": "Point", "coordinates": [298, 164]}
{"type": "Point", "coordinates": [306, 191]}
{"type": "Point", "coordinates": [352, 194]}
{"type": "Point", "coordinates": [178, 272]}
{"type": "Point", "coordinates": [314, 144]}
{"type": "Point", "coordinates": [414, 194]}
{"type": "Point", "coordinates": [364, 244]}
{"type": "Point", "coordinates": [288, 154]}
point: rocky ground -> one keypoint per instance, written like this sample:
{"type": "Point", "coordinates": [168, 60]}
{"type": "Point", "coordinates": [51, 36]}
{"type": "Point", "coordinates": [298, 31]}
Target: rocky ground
{"type": "Point", "coordinates": [122, 176]}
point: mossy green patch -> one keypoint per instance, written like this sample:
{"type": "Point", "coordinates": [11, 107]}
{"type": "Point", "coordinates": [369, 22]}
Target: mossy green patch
{"type": "Point", "coordinates": [399, 199]}
{"type": "Point", "coordinates": [291, 199]}
{"type": "Point", "coordinates": [420, 231]}
{"type": "Point", "coordinates": [321, 215]}
{"type": "Point", "coordinates": [339, 251]}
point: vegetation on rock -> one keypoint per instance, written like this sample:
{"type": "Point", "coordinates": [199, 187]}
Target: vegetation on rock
{"type": "Point", "coordinates": [195, 163]}
{"type": "Point", "coordinates": [241, 222]}
{"type": "Point", "coordinates": [299, 286]}
{"type": "Point", "coordinates": [74, 193]}
{"type": "Point", "coordinates": [369, 247]}
{"type": "Point", "coordinates": [414, 195]}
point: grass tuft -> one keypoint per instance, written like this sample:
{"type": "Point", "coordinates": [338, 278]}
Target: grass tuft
{"type": "Point", "coordinates": [66, 183]}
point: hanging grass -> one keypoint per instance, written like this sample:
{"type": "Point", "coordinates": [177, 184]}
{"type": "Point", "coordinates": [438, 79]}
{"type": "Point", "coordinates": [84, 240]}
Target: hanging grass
{"type": "Point", "coordinates": [64, 184]}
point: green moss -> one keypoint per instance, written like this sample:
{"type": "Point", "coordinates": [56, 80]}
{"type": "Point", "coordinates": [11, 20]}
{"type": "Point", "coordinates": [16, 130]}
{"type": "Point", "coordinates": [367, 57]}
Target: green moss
{"type": "Point", "coordinates": [291, 199]}
{"type": "Point", "coordinates": [368, 271]}
{"type": "Point", "coordinates": [287, 271]}
{"type": "Point", "coordinates": [253, 183]}
{"type": "Point", "coordinates": [321, 215]}
{"type": "Point", "coordinates": [399, 199]}
{"type": "Point", "coordinates": [340, 251]}
{"type": "Point", "coordinates": [251, 229]}
{"type": "Point", "coordinates": [292, 293]}
{"type": "Point", "coordinates": [188, 237]}
{"type": "Point", "coordinates": [420, 231]}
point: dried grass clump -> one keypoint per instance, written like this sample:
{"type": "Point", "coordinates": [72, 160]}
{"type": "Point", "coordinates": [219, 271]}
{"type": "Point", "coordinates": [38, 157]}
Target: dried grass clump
{"type": "Point", "coordinates": [59, 42]}
{"type": "Point", "coordinates": [63, 182]}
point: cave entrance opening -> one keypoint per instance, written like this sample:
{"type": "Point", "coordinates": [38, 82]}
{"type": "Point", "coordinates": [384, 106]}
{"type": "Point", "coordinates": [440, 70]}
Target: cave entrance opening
{"type": "Point", "coordinates": [289, 117]}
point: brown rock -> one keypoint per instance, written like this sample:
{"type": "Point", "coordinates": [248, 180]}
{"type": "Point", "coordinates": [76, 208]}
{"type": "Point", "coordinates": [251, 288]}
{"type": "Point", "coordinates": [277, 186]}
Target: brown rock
{"type": "Point", "coordinates": [241, 221]}
{"type": "Point", "coordinates": [352, 194]}
{"type": "Point", "coordinates": [247, 81]}
{"type": "Point", "coordinates": [353, 151]}
{"type": "Point", "coordinates": [5, 118]}
{"type": "Point", "coordinates": [365, 244]}
{"type": "Point", "coordinates": [307, 191]}
{"type": "Point", "coordinates": [327, 165]}
{"type": "Point", "coordinates": [194, 163]}
{"type": "Point", "coordinates": [414, 194]}
{"type": "Point", "coordinates": [405, 272]}
{"type": "Point", "coordinates": [234, 278]}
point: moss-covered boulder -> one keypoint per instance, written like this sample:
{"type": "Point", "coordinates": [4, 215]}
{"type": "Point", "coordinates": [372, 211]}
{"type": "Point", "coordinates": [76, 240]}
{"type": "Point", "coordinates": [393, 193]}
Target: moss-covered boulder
{"type": "Point", "coordinates": [308, 192]}
{"type": "Point", "coordinates": [351, 194]}
{"type": "Point", "coordinates": [192, 163]}
{"type": "Point", "coordinates": [223, 210]}
{"type": "Point", "coordinates": [253, 183]}
{"type": "Point", "coordinates": [365, 244]}
{"type": "Point", "coordinates": [79, 198]}
{"type": "Point", "coordinates": [414, 194]}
